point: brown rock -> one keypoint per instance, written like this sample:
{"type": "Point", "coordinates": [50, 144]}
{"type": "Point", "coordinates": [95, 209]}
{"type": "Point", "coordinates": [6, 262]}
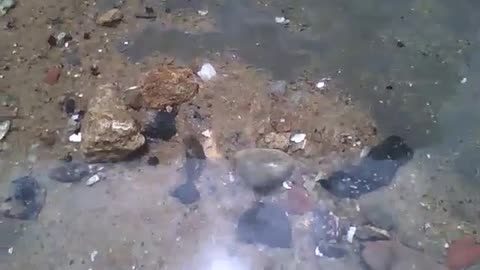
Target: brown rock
{"type": "Point", "coordinates": [168, 85]}
{"type": "Point", "coordinates": [277, 141]}
{"type": "Point", "coordinates": [53, 74]}
{"type": "Point", "coordinates": [110, 18]}
{"type": "Point", "coordinates": [109, 132]}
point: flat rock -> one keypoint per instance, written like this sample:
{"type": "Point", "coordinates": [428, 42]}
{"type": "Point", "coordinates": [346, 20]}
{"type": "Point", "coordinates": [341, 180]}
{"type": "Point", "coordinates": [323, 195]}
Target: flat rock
{"type": "Point", "coordinates": [69, 172]}
{"type": "Point", "coordinates": [109, 132]}
{"type": "Point", "coordinates": [263, 169]}
{"type": "Point", "coordinates": [26, 199]}
{"type": "Point", "coordinates": [265, 224]}
{"type": "Point", "coordinates": [186, 193]}
{"type": "Point", "coordinates": [279, 141]}
{"type": "Point", "coordinates": [110, 18]}
{"type": "Point", "coordinates": [168, 85]}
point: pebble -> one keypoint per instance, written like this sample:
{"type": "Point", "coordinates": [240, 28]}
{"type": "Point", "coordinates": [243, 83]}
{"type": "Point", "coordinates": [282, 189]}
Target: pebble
{"type": "Point", "coordinates": [282, 20]}
{"type": "Point", "coordinates": [153, 161]}
{"type": "Point", "coordinates": [110, 18]}
{"type": "Point", "coordinates": [207, 72]}
{"type": "Point", "coordinates": [93, 180]}
{"type": "Point", "coordinates": [4, 128]}
{"type": "Point", "coordinates": [263, 169]}
{"type": "Point", "coordinates": [265, 224]}
{"type": "Point", "coordinates": [277, 140]}
{"type": "Point", "coordinates": [298, 138]}
{"type": "Point", "coordinates": [163, 126]}
{"type": "Point", "coordinates": [186, 193]}
{"type": "Point", "coordinates": [69, 172]}
{"type": "Point", "coordinates": [202, 12]}
{"type": "Point", "coordinates": [53, 75]}
{"type": "Point", "coordinates": [278, 88]}
{"type": "Point", "coordinates": [76, 137]}
{"type": "Point", "coordinates": [69, 106]}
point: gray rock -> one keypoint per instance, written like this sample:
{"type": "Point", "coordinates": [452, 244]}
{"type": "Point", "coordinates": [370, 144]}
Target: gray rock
{"type": "Point", "coordinates": [109, 132]}
{"type": "Point", "coordinates": [110, 18]}
{"type": "Point", "coordinates": [278, 88]}
{"type": "Point", "coordinates": [69, 172]}
{"type": "Point", "coordinates": [263, 169]}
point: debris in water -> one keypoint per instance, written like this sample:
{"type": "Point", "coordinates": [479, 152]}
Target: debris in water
{"type": "Point", "coordinates": [93, 180]}
{"type": "Point", "coordinates": [4, 128]}
{"type": "Point", "coordinates": [76, 137]}
{"type": "Point", "coordinates": [203, 12]}
{"type": "Point", "coordinates": [298, 138]}
{"type": "Point", "coordinates": [265, 224]}
{"type": "Point", "coordinates": [464, 80]}
{"type": "Point", "coordinates": [207, 72]}
{"type": "Point", "coordinates": [282, 20]}
{"type": "Point", "coordinates": [321, 85]}
{"type": "Point", "coordinates": [93, 254]}
{"type": "Point", "coordinates": [287, 185]}
{"type": "Point", "coordinates": [10, 250]}
{"type": "Point", "coordinates": [6, 5]}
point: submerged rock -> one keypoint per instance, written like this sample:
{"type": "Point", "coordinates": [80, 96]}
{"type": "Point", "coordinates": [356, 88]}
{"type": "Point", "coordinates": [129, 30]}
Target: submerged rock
{"type": "Point", "coordinates": [162, 126]}
{"type": "Point", "coordinates": [265, 224]}
{"type": "Point", "coordinates": [168, 86]}
{"type": "Point", "coordinates": [110, 18]}
{"type": "Point", "coordinates": [26, 199]}
{"type": "Point", "coordinates": [263, 169]}
{"type": "Point", "coordinates": [186, 193]}
{"type": "Point", "coordinates": [374, 171]}
{"type": "Point", "coordinates": [109, 132]}
{"type": "Point", "coordinates": [69, 172]}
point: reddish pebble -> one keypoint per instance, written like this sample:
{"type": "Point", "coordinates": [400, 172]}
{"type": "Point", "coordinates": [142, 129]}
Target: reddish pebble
{"type": "Point", "coordinates": [463, 253]}
{"type": "Point", "coordinates": [298, 201]}
{"type": "Point", "coordinates": [53, 75]}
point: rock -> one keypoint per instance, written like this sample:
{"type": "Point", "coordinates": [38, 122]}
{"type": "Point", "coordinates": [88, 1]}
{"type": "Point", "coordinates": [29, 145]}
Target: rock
{"type": "Point", "coordinates": [93, 180]}
{"type": "Point", "coordinates": [378, 214]}
{"type": "Point", "coordinates": [326, 226]}
{"type": "Point", "coordinates": [298, 201]}
{"type": "Point", "coordinates": [53, 74]}
{"type": "Point", "coordinates": [168, 85]}
{"type": "Point", "coordinates": [278, 141]}
{"type": "Point", "coordinates": [281, 123]}
{"type": "Point", "coordinates": [263, 169]}
{"type": "Point", "coordinates": [48, 137]}
{"type": "Point", "coordinates": [186, 193]}
{"type": "Point", "coordinates": [110, 18]}
{"type": "Point", "coordinates": [69, 106]}
{"type": "Point", "coordinates": [69, 172]}
{"type": "Point", "coordinates": [109, 132]}
{"type": "Point", "coordinates": [4, 128]}
{"type": "Point", "coordinates": [161, 126]}
{"type": "Point", "coordinates": [153, 161]}
{"type": "Point", "coordinates": [134, 99]}
{"type": "Point", "coordinates": [26, 199]}
{"type": "Point", "coordinates": [265, 224]}
{"type": "Point", "coordinates": [278, 88]}
{"type": "Point", "coordinates": [463, 253]}
{"type": "Point", "coordinates": [391, 255]}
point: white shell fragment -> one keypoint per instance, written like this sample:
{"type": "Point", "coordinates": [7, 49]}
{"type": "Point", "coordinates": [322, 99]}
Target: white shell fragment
{"type": "Point", "coordinates": [464, 80]}
{"type": "Point", "coordinates": [207, 133]}
{"type": "Point", "coordinates": [207, 72]}
{"type": "Point", "coordinates": [351, 233]}
{"type": "Point", "coordinates": [4, 128]}
{"type": "Point", "coordinates": [287, 185]}
{"type": "Point", "coordinates": [202, 12]}
{"type": "Point", "coordinates": [10, 251]}
{"type": "Point", "coordinates": [321, 85]}
{"type": "Point", "coordinates": [75, 138]}
{"type": "Point", "coordinates": [281, 20]}
{"type": "Point", "coordinates": [93, 180]}
{"type": "Point", "coordinates": [298, 138]}
{"type": "Point", "coordinates": [93, 255]}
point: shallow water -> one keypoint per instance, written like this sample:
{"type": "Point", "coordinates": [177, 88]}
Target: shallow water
{"type": "Point", "coordinates": [404, 62]}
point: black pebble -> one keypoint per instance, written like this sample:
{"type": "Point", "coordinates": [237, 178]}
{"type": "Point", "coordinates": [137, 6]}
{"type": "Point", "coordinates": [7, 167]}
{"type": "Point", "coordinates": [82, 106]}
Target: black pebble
{"type": "Point", "coordinates": [186, 193]}
{"type": "Point", "coordinates": [69, 106]}
{"type": "Point", "coordinates": [94, 70]}
{"type": "Point", "coordinates": [400, 44]}
{"type": "Point", "coordinates": [265, 224]}
{"type": "Point", "coordinates": [389, 87]}
{"type": "Point", "coordinates": [152, 161]}
{"type": "Point", "coordinates": [162, 127]}
{"type": "Point", "coordinates": [69, 173]}
{"type": "Point", "coordinates": [149, 10]}
{"type": "Point", "coordinates": [52, 41]}
{"type": "Point", "coordinates": [86, 36]}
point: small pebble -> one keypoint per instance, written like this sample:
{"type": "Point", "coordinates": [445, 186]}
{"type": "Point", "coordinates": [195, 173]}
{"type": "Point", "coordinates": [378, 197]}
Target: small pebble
{"type": "Point", "coordinates": [93, 180]}
{"type": "Point", "coordinates": [464, 80]}
{"type": "Point", "coordinates": [75, 138]}
{"type": "Point", "coordinates": [153, 161]}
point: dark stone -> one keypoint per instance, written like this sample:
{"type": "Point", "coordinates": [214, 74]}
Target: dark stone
{"type": "Point", "coordinates": [52, 41]}
{"type": "Point", "coordinates": [400, 44]}
{"type": "Point", "coordinates": [86, 35]}
{"type": "Point", "coordinates": [332, 251]}
{"type": "Point", "coordinates": [153, 161]}
{"type": "Point", "coordinates": [26, 198]}
{"type": "Point", "coordinates": [376, 170]}
{"type": "Point", "coordinates": [186, 193]}
{"type": "Point", "coordinates": [265, 224]}
{"type": "Point", "coordinates": [163, 126]}
{"type": "Point", "coordinates": [389, 87]}
{"type": "Point", "coordinates": [69, 106]}
{"type": "Point", "coordinates": [149, 10]}
{"type": "Point", "coordinates": [94, 70]}
{"type": "Point", "coordinates": [70, 172]}
{"type": "Point", "coordinates": [67, 158]}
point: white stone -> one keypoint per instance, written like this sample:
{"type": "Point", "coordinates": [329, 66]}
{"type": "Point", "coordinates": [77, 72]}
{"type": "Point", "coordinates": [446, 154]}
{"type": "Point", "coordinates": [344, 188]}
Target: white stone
{"type": "Point", "coordinates": [207, 72]}
{"type": "Point", "coordinates": [281, 20]}
{"type": "Point", "coordinates": [203, 12]}
{"type": "Point", "coordinates": [351, 233]}
{"type": "Point", "coordinates": [75, 138]}
{"type": "Point", "coordinates": [4, 128]}
{"type": "Point", "coordinates": [93, 180]}
{"type": "Point", "coordinates": [298, 138]}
